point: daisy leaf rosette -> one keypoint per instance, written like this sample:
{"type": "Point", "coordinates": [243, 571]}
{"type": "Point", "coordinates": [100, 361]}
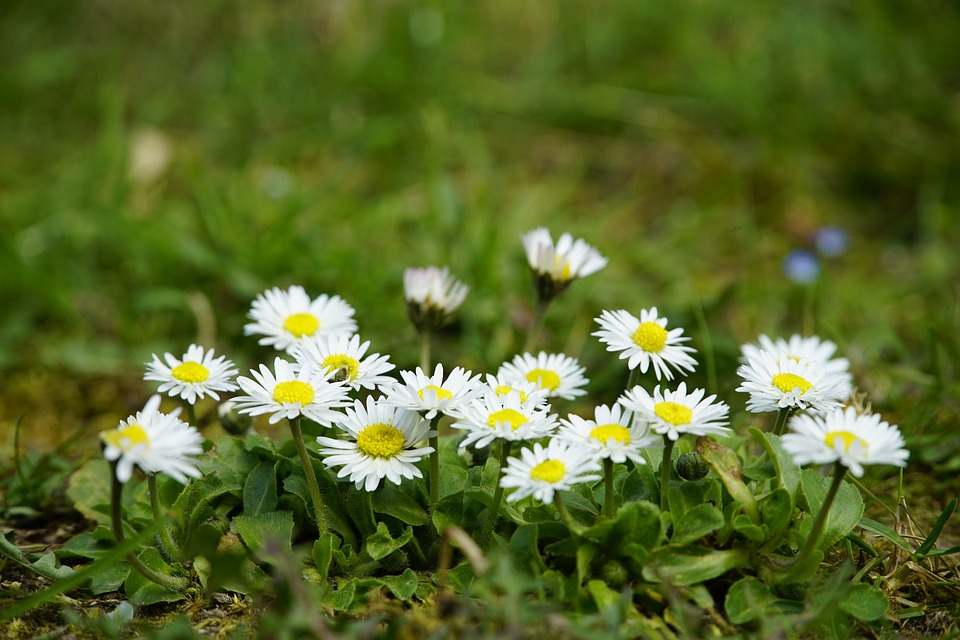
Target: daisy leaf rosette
{"type": "Point", "coordinates": [197, 374]}
{"type": "Point", "coordinates": [346, 359]}
{"type": "Point", "coordinates": [432, 296]}
{"type": "Point", "coordinates": [559, 375]}
{"type": "Point", "coordinates": [433, 395]}
{"type": "Point", "coordinates": [291, 392]}
{"type": "Point", "coordinates": [810, 349]}
{"type": "Point", "coordinates": [612, 434]}
{"type": "Point", "coordinates": [645, 342]}
{"type": "Point", "coordinates": [156, 442]}
{"type": "Point", "coordinates": [555, 266]}
{"type": "Point", "coordinates": [503, 417]}
{"type": "Point", "coordinates": [542, 471]}
{"type": "Point", "coordinates": [528, 391]}
{"type": "Point", "coordinates": [844, 436]}
{"type": "Point", "coordinates": [285, 318]}
{"type": "Point", "coordinates": [674, 413]}
{"type": "Point", "coordinates": [382, 444]}
{"type": "Point", "coordinates": [776, 383]}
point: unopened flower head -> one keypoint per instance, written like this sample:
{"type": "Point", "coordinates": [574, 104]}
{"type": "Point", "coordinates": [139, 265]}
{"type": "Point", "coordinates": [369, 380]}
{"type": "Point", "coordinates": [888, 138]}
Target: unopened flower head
{"type": "Point", "coordinates": [542, 471]}
{"type": "Point", "coordinates": [612, 434]}
{"type": "Point", "coordinates": [646, 342]}
{"type": "Point", "coordinates": [285, 318]}
{"type": "Point", "coordinates": [776, 383]}
{"type": "Point", "coordinates": [560, 376]}
{"type": "Point", "coordinates": [289, 393]}
{"type": "Point", "coordinates": [435, 394]}
{"type": "Point", "coordinates": [674, 413]}
{"type": "Point", "coordinates": [503, 417]}
{"type": "Point", "coordinates": [432, 296]}
{"type": "Point", "coordinates": [192, 377]}
{"type": "Point", "coordinates": [344, 358]}
{"type": "Point", "coordinates": [555, 266]}
{"type": "Point", "coordinates": [811, 349]}
{"type": "Point", "coordinates": [382, 444]}
{"type": "Point", "coordinates": [844, 436]}
{"type": "Point", "coordinates": [156, 442]}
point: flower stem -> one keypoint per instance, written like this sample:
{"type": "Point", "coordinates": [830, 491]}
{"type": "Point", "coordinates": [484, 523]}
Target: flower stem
{"type": "Point", "coordinates": [116, 489]}
{"type": "Point", "coordinates": [425, 338]}
{"type": "Point", "coordinates": [632, 380]}
{"type": "Point", "coordinates": [565, 515]}
{"type": "Point", "coordinates": [170, 547]}
{"type": "Point", "coordinates": [609, 501]}
{"type": "Point", "coordinates": [665, 473]}
{"type": "Point", "coordinates": [191, 415]}
{"type": "Point", "coordinates": [487, 530]}
{"type": "Point", "coordinates": [434, 464]}
{"type": "Point", "coordinates": [315, 496]}
{"type": "Point", "coordinates": [783, 416]}
{"type": "Point", "coordinates": [838, 472]}
{"type": "Point", "coordinates": [539, 316]}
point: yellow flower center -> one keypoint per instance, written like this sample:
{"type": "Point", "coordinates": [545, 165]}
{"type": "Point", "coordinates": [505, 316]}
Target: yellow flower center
{"type": "Point", "coordinates": [505, 389]}
{"type": "Point", "coordinates": [675, 414]}
{"type": "Point", "coordinates": [127, 437]}
{"type": "Point", "coordinates": [847, 438]}
{"type": "Point", "coordinates": [293, 391]}
{"type": "Point", "coordinates": [190, 372]}
{"type": "Point", "coordinates": [442, 394]}
{"type": "Point", "coordinates": [346, 368]}
{"type": "Point", "coordinates": [544, 378]}
{"type": "Point", "coordinates": [604, 432]}
{"type": "Point", "coordinates": [507, 416]}
{"type": "Point", "coordinates": [650, 337]}
{"type": "Point", "coordinates": [301, 324]}
{"type": "Point", "coordinates": [561, 268]}
{"type": "Point", "coordinates": [787, 382]}
{"type": "Point", "coordinates": [380, 440]}
{"type": "Point", "coordinates": [551, 471]}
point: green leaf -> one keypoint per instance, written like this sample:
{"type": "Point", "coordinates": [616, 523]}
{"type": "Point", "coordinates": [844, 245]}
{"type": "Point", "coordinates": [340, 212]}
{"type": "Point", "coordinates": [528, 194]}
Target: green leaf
{"type": "Point", "coordinates": [381, 544]}
{"type": "Point", "coordinates": [744, 525]}
{"type": "Point", "coordinates": [777, 509]}
{"type": "Point", "coordinates": [448, 512]}
{"type": "Point", "coordinates": [938, 526]}
{"type": "Point", "coordinates": [343, 596]}
{"type": "Point", "coordinates": [89, 490]}
{"type": "Point", "coordinates": [393, 502]}
{"type": "Point", "coordinates": [747, 599]}
{"type": "Point", "coordinates": [266, 534]}
{"type": "Point", "coordinates": [193, 503]}
{"type": "Point", "coordinates": [884, 531]}
{"type": "Point", "coordinates": [336, 509]}
{"type": "Point", "coordinates": [845, 513]}
{"type": "Point", "coordinates": [603, 596]}
{"type": "Point", "coordinates": [636, 522]}
{"type": "Point", "coordinates": [865, 602]}
{"type": "Point", "coordinates": [260, 489]}
{"type": "Point", "coordinates": [110, 579]}
{"type": "Point", "coordinates": [141, 591]}
{"type": "Point", "coordinates": [640, 484]}
{"type": "Point", "coordinates": [453, 479]}
{"type": "Point", "coordinates": [697, 522]}
{"type": "Point", "coordinates": [788, 472]}
{"type": "Point", "coordinates": [688, 565]}
{"type": "Point", "coordinates": [525, 549]}
{"type": "Point", "coordinates": [726, 465]}
{"type": "Point", "coordinates": [403, 586]}
{"type": "Point", "coordinates": [322, 553]}
{"type": "Point", "coordinates": [49, 567]}
{"type": "Point", "coordinates": [230, 460]}
{"type": "Point", "coordinates": [586, 552]}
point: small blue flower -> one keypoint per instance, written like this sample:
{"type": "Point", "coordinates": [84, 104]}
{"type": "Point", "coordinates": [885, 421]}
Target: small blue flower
{"type": "Point", "coordinates": [801, 266]}
{"type": "Point", "coordinates": [831, 241]}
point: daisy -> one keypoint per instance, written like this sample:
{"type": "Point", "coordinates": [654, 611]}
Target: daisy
{"type": "Point", "coordinates": [542, 471]}
{"type": "Point", "coordinates": [383, 444]}
{"type": "Point", "coordinates": [613, 434]}
{"type": "Point", "coordinates": [506, 417]}
{"type": "Point", "coordinates": [155, 442]}
{"type": "Point", "coordinates": [673, 413]}
{"type": "Point", "coordinates": [556, 266]}
{"type": "Point", "coordinates": [290, 394]}
{"type": "Point", "coordinates": [284, 318]}
{"type": "Point", "coordinates": [846, 437]}
{"type": "Point", "coordinates": [646, 341]}
{"type": "Point", "coordinates": [432, 296]}
{"type": "Point", "coordinates": [502, 385]}
{"type": "Point", "coordinates": [197, 374]}
{"type": "Point", "coordinates": [812, 349]}
{"type": "Point", "coordinates": [776, 383]}
{"type": "Point", "coordinates": [344, 357]}
{"type": "Point", "coordinates": [560, 376]}
{"type": "Point", "coordinates": [433, 395]}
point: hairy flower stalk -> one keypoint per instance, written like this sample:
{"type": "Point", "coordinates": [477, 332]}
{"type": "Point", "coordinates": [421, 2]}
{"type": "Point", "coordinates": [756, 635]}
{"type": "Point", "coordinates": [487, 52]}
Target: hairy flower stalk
{"type": "Point", "coordinates": [609, 500]}
{"type": "Point", "coordinates": [319, 516]}
{"type": "Point", "coordinates": [170, 548]}
{"type": "Point", "coordinates": [783, 416]}
{"type": "Point", "coordinates": [487, 530]}
{"type": "Point", "coordinates": [665, 473]}
{"type": "Point", "coordinates": [839, 471]}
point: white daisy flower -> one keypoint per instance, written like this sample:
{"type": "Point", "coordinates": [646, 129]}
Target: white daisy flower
{"type": "Point", "coordinates": [156, 442]}
{"type": "Point", "coordinates": [674, 413]}
{"type": "Point", "coordinates": [284, 318]}
{"type": "Point", "coordinates": [433, 395]}
{"type": "Point", "coordinates": [556, 266]}
{"type": "Point", "coordinates": [776, 383]}
{"type": "Point", "coordinates": [541, 471]}
{"type": "Point", "coordinates": [343, 356]}
{"type": "Point", "coordinates": [559, 375]}
{"type": "Point", "coordinates": [811, 349]}
{"type": "Point", "coordinates": [613, 434]}
{"type": "Point", "coordinates": [383, 444]}
{"type": "Point", "coordinates": [506, 417]}
{"type": "Point", "coordinates": [529, 391]}
{"type": "Point", "coordinates": [646, 341]}
{"type": "Point", "coordinates": [848, 438]}
{"type": "Point", "coordinates": [197, 374]}
{"type": "Point", "coordinates": [289, 393]}
{"type": "Point", "coordinates": [432, 296]}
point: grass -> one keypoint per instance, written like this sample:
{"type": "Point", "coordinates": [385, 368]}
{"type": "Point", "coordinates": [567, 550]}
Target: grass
{"type": "Point", "coordinates": [333, 145]}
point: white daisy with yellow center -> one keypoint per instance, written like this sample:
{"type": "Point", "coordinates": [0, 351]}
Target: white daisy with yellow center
{"type": "Point", "coordinates": [344, 357]}
{"type": "Point", "coordinates": [290, 393]}
{"type": "Point", "coordinates": [779, 382]}
{"type": "Point", "coordinates": [528, 391]}
{"type": "Point", "coordinates": [612, 434]}
{"type": "Point", "coordinates": [844, 436]}
{"type": "Point", "coordinates": [432, 296]}
{"type": "Point", "coordinates": [155, 442]}
{"type": "Point", "coordinates": [542, 471]}
{"type": "Point", "coordinates": [496, 416]}
{"type": "Point", "coordinates": [558, 375]}
{"type": "Point", "coordinates": [434, 394]}
{"type": "Point", "coordinates": [646, 342]}
{"type": "Point", "coordinates": [813, 350]}
{"type": "Point", "coordinates": [562, 262]}
{"type": "Point", "coordinates": [674, 413]}
{"type": "Point", "coordinates": [192, 377]}
{"type": "Point", "coordinates": [382, 444]}
{"type": "Point", "coordinates": [285, 318]}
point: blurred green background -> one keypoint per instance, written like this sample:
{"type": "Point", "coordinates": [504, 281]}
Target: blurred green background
{"type": "Point", "coordinates": [162, 163]}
